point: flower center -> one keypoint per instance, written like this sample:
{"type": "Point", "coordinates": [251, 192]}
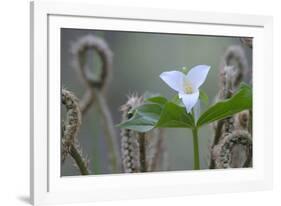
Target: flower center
{"type": "Point", "coordinates": [187, 87]}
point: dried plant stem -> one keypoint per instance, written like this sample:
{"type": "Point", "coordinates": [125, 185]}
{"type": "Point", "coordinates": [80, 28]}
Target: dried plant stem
{"type": "Point", "coordinates": [72, 123]}
{"type": "Point", "coordinates": [110, 134]}
{"type": "Point", "coordinates": [82, 165]}
{"type": "Point", "coordinates": [212, 164]}
{"type": "Point", "coordinates": [248, 41]}
{"type": "Point", "coordinates": [232, 144]}
{"type": "Point", "coordinates": [129, 138]}
{"type": "Point", "coordinates": [80, 49]}
{"type": "Point", "coordinates": [218, 131]}
{"type": "Point", "coordinates": [96, 87]}
{"type": "Point", "coordinates": [70, 129]}
{"type": "Point", "coordinates": [218, 134]}
{"type": "Point", "coordinates": [86, 102]}
{"type": "Point", "coordinates": [142, 152]}
{"type": "Point", "coordinates": [160, 150]}
{"type": "Point", "coordinates": [226, 153]}
{"type": "Point", "coordinates": [250, 124]}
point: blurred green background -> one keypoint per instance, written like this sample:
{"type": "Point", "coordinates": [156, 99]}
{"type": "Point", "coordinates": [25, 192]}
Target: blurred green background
{"type": "Point", "coordinates": [139, 59]}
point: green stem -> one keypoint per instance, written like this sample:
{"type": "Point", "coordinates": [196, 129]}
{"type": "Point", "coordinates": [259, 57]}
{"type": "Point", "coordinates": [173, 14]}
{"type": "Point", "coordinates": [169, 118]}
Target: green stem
{"type": "Point", "coordinates": [196, 164]}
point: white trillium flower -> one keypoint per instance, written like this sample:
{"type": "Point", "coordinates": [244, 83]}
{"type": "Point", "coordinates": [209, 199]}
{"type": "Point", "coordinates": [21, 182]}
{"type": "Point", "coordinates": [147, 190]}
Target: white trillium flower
{"type": "Point", "coordinates": [188, 85]}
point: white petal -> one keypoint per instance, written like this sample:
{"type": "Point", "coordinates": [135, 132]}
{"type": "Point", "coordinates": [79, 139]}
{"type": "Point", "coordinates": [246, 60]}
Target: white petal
{"type": "Point", "coordinates": [189, 100]}
{"type": "Point", "coordinates": [174, 79]}
{"type": "Point", "coordinates": [197, 75]}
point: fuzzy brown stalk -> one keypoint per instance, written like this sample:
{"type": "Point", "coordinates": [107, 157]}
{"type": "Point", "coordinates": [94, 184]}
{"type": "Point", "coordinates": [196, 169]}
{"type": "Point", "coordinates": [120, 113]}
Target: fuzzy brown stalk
{"type": "Point", "coordinates": [96, 88]}
{"type": "Point", "coordinates": [238, 67]}
{"type": "Point", "coordinates": [81, 162]}
{"type": "Point", "coordinates": [248, 41]}
{"type": "Point", "coordinates": [157, 156]}
{"type": "Point", "coordinates": [156, 153]}
{"type": "Point", "coordinates": [226, 152]}
{"type": "Point", "coordinates": [70, 129]}
{"type": "Point", "coordinates": [130, 151]}
{"type": "Point", "coordinates": [80, 49]}
{"type": "Point", "coordinates": [250, 123]}
{"type": "Point", "coordinates": [141, 152]}
{"type": "Point", "coordinates": [234, 70]}
{"type": "Point", "coordinates": [129, 138]}
{"type": "Point", "coordinates": [86, 101]}
{"type": "Point", "coordinates": [72, 122]}
{"type": "Point", "coordinates": [142, 143]}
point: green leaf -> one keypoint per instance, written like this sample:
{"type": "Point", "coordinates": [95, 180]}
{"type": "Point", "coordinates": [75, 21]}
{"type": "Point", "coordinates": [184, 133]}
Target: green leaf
{"type": "Point", "coordinates": [204, 97]}
{"type": "Point", "coordinates": [240, 101]}
{"type": "Point", "coordinates": [137, 123]}
{"type": "Point", "coordinates": [157, 100]}
{"type": "Point", "coordinates": [177, 101]}
{"type": "Point", "coordinates": [151, 115]}
{"type": "Point", "coordinates": [144, 118]}
{"type": "Point", "coordinates": [149, 111]}
{"type": "Point", "coordinates": [175, 116]}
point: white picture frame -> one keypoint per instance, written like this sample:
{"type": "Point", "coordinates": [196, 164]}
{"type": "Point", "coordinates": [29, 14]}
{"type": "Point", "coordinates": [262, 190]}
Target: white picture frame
{"type": "Point", "coordinates": [46, 184]}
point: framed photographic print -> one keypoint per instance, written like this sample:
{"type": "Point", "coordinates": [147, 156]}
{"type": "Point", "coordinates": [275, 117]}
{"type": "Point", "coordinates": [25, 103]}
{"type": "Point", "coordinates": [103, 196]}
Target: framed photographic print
{"type": "Point", "coordinates": [133, 103]}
